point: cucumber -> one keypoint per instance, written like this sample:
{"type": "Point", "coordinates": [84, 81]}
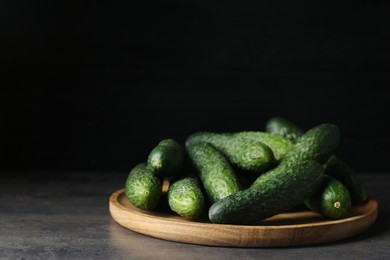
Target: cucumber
{"type": "Point", "coordinates": [278, 144]}
{"type": "Point", "coordinates": [338, 169]}
{"type": "Point", "coordinates": [246, 155]}
{"type": "Point", "coordinates": [185, 197]}
{"type": "Point", "coordinates": [216, 174]}
{"type": "Point", "coordinates": [143, 188]}
{"type": "Point", "coordinates": [283, 127]}
{"type": "Point", "coordinates": [332, 199]}
{"type": "Point", "coordinates": [233, 143]}
{"type": "Point", "coordinates": [318, 144]}
{"type": "Point", "coordinates": [276, 191]}
{"type": "Point", "coordinates": [166, 159]}
{"type": "Point", "coordinates": [334, 167]}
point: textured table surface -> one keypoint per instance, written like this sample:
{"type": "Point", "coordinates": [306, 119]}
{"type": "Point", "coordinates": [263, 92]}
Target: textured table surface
{"type": "Point", "coordinates": [65, 215]}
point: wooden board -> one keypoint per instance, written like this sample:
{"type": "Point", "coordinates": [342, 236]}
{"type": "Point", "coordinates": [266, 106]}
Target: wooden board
{"type": "Point", "coordinates": [288, 229]}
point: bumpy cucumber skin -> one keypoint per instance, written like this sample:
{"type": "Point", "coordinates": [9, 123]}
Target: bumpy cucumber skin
{"type": "Point", "coordinates": [229, 142]}
{"type": "Point", "coordinates": [333, 167]}
{"type": "Point", "coordinates": [205, 137]}
{"type": "Point", "coordinates": [143, 188]}
{"type": "Point", "coordinates": [250, 156]}
{"type": "Point", "coordinates": [166, 159]}
{"type": "Point", "coordinates": [278, 144]}
{"type": "Point", "coordinates": [185, 197]}
{"type": "Point", "coordinates": [318, 144]}
{"type": "Point", "coordinates": [283, 127]}
{"type": "Point", "coordinates": [338, 169]}
{"type": "Point", "coordinates": [247, 155]}
{"type": "Point", "coordinates": [216, 174]}
{"type": "Point", "coordinates": [276, 191]}
{"type": "Point", "coordinates": [332, 199]}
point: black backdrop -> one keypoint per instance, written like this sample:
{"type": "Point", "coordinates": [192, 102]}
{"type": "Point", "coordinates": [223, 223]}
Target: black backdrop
{"type": "Point", "coordinates": [95, 85]}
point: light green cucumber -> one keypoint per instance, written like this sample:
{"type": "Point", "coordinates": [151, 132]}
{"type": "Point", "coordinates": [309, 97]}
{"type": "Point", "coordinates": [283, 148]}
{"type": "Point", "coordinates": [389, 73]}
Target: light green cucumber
{"type": "Point", "coordinates": [166, 159]}
{"type": "Point", "coordinates": [215, 172]}
{"type": "Point", "coordinates": [143, 188]}
{"type": "Point", "coordinates": [247, 154]}
{"type": "Point", "coordinates": [185, 197]}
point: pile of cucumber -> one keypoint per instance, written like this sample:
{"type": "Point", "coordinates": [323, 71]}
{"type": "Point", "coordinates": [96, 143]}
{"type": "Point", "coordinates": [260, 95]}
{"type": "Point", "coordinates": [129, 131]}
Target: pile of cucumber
{"type": "Point", "coordinates": [249, 176]}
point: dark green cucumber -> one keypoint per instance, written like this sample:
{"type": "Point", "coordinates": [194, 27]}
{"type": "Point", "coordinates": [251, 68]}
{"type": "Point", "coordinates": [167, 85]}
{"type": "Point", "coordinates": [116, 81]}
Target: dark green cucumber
{"type": "Point", "coordinates": [247, 155]}
{"type": "Point", "coordinates": [166, 159]}
{"type": "Point", "coordinates": [332, 199]}
{"type": "Point", "coordinates": [283, 127]}
{"type": "Point", "coordinates": [216, 174]}
{"type": "Point", "coordinates": [338, 169]}
{"type": "Point", "coordinates": [276, 191]}
{"type": "Point", "coordinates": [185, 197]}
{"type": "Point", "coordinates": [143, 188]}
{"type": "Point", "coordinates": [334, 166]}
{"type": "Point", "coordinates": [318, 144]}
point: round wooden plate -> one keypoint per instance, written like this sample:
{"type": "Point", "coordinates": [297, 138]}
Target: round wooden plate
{"type": "Point", "coordinates": [287, 229]}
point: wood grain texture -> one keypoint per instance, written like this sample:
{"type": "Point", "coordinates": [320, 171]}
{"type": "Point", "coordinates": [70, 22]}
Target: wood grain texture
{"type": "Point", "coordinates": [287, 229]}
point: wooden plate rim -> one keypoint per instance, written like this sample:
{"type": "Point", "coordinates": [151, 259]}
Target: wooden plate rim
{"type": "Point", "coordinates": [114, 200]}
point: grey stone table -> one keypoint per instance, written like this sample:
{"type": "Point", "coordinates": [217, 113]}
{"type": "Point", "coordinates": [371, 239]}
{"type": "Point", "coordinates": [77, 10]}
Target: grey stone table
{"type": "Point", "coordinates": [65, 215]}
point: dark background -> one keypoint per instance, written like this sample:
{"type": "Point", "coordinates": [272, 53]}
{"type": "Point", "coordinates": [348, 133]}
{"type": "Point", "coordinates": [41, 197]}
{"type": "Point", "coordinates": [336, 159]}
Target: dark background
{"type": "Point", "coordinates": [97, 84]}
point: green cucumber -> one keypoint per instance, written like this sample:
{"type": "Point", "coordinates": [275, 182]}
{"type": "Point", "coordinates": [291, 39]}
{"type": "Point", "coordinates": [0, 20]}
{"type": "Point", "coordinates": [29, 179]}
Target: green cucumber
{"type": "Point", "coordinates": [332, 199]}
{"type": "Point", "coordinates": [334, 167]}
{"type": "Point", "coordinates": [247, 155]}
{"type": "Point", "coordinates": [143, 188]}
{"type": "Point", "coordinates": [237, 147]}
{"type": "Point", "coordinates": [283, 127]}
{"type": "Point", "coordinates": [318, 144]}
{"type": "Point", "coordinates": [338, 169]}
{"type": "Point", "coordinates": [276, 191]}
{"type": "Point", "coordinates": [216, 174]}
{"type": "Point", "coordinates": [278, 144]}
{"type": "Point", "coordinates": [166, 159]}
{"type": "Point", "coordinates": [185, 197]}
